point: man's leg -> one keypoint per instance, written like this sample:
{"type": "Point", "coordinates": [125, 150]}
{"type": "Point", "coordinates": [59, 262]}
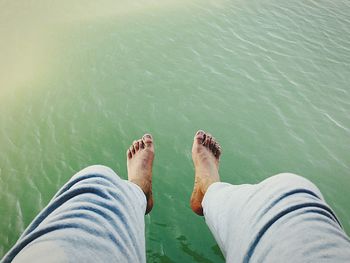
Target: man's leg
{"type": "Point", "coordinates": [95, 216]}
{"type": "Point", "coordinates": [282, 219]}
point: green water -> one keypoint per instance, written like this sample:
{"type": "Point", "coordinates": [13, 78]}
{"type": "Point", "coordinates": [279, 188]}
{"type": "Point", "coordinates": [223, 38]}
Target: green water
{"type": "Point", "coordinates": [80, 81]}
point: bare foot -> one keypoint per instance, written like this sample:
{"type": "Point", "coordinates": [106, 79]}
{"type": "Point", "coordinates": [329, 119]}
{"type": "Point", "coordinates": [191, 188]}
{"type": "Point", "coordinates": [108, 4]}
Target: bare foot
{"type": "Point", "coordinates": [205, 154]}
{"type": "Point", "coordinates": [140, 157]}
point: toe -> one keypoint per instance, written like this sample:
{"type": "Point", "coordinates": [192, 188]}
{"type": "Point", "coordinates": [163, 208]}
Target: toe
{"type": "Point", "coordinates": [218, 150]}
{"type": "Point", "coordinates": [136, 145]}
{"type": "Point", "coordinates": [200, 137]}
{"type": "Point", "coordinates": [132, 149]}
{"type": "Point", "coordinates": [147, 140]}
{"type": "Point", "coordinates": [216, 146]}
{"type": "Point", "coordinates": [142, 144]}
{"type": "Point", "coordinates": [128, 154]}
{"type": "Point", "coordinates": [212, 144]}
{"type": "Point", "coordinates": [208, 140]}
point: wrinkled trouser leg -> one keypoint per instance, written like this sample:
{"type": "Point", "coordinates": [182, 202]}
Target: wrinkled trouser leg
{"type": "Point", "coordinates": [94, 217]}
{"type": "Point", "coordinates": [282, 219]}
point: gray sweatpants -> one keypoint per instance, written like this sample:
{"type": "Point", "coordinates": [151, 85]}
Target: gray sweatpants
{"type": "Point", "coordinates": [282, 219]}
{"type": "Point", "coordinates": [98, 217]}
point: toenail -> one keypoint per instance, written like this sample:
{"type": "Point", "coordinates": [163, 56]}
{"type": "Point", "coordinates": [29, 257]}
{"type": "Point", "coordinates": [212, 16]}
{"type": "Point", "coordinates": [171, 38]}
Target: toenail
{"type": "Point", "coordinates": [147, 136]}
{"type": "Point", "coordinates": [200, 132]}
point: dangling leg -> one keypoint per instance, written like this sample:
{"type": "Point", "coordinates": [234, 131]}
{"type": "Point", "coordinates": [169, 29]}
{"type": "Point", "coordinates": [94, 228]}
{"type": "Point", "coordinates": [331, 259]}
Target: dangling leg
{"type": "Point", "coordinates": [95, 217]}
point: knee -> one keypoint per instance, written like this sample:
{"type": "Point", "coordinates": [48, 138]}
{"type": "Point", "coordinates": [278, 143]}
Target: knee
{"type": "Point", "coordinates": [287, 182]}
{"type": "Point", "coordinates": [97, 169]}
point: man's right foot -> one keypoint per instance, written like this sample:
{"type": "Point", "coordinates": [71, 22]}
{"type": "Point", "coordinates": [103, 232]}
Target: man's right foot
{"type": "Point", "coordinates": [140, 157]}
{"type": "Point", "coordinates": [205, 154]}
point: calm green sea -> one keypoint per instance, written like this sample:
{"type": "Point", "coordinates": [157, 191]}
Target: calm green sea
{"type": "Point", "coordinates": [80, 80]}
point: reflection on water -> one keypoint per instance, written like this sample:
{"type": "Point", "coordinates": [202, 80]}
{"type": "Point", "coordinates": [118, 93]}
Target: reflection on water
{"type": "Point", "coordinates": [79, 81]}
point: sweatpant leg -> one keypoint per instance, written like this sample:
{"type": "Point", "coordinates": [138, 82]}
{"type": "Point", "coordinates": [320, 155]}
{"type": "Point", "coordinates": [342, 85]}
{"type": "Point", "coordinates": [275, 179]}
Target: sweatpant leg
{"type": "Point", "coordinates": [282, 219]}
{"type": "Point", "coordinates": [94, 217]}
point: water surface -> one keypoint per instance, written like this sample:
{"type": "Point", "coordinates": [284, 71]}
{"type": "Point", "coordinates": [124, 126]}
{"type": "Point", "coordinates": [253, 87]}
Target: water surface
{"type": "Point", "coordinates": [80, 81]}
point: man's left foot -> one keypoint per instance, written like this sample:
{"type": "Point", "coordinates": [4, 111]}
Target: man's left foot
{"type": "Point", "coordinates": [140, 157]}
{"type": "Point", "coordinates": [206, 153]}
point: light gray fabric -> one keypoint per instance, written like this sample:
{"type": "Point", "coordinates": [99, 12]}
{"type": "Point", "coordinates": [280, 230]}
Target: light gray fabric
{"type": "Point", "coordinates": [95, 217]}
{"type": "Point", "coordinates": [98, 217]}
{"type": "Point", "coordinates": [282, 219]}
